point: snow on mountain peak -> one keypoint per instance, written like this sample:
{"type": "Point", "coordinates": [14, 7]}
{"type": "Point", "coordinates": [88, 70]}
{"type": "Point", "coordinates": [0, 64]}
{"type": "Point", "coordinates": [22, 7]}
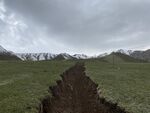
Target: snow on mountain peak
{"type": "Point", "coordinates": [66, 56]}
{"type": "Point", "coordinates": [50, 56]}
{"type": "Point", "coordinates": [127, 52]}
{"type": "Point", "coordinates": [2, 50]}
{"type": "Point", "coordinates": [80, 56]}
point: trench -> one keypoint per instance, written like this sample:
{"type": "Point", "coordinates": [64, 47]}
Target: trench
{"type": "Point", "coordinates": [77, 93]}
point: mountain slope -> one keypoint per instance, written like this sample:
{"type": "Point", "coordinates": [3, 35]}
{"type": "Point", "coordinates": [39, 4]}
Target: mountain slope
{"type": "Point", "coordinates": [80, 56]}
{"type": "Point", "coordinates": [6, 55]}
{"type": "Point", "coordinates": [49, 56]}
{"type": "Point", "coordinates": [126, 52]}
{"type": "Point", "coordinates": [144, 55]}
{"type": "Point", "coordinates": [117, 57]}
{"type": "Point", "coordinates": [120, 56]}
{"type": "Point", "coordinates": [35, 56]}
{"type": "Point", "coordinates": [2, 50]}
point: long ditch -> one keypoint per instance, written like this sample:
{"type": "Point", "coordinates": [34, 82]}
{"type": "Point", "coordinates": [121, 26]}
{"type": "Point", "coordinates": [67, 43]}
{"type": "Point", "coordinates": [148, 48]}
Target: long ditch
{"type": "Point", "coordinates": [77, 93]}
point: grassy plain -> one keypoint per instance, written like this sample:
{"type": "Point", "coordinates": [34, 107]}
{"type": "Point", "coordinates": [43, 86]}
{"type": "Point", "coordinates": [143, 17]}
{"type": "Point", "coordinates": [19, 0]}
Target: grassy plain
{"type": "Point", "coordinates": [23, 84]}
{"type": "Point", "coordinates": [128, 84]}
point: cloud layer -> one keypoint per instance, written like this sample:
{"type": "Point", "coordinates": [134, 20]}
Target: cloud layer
{"type": "Point", "coordinates": [74, 26]}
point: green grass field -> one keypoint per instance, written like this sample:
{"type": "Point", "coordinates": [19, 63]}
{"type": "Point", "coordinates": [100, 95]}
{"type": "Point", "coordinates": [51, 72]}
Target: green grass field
{"type": "Point", "coordinates": [128, 84]}
{"type": "Point", "coordinates": [23, 84]}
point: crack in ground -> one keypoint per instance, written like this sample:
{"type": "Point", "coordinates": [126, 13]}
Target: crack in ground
{"type": "Point", "coordinates": [77, 93]}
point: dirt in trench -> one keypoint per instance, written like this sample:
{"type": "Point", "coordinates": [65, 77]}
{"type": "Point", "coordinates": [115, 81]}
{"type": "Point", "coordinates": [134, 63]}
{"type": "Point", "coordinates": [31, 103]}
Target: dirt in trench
{"type": "Point", "coordinates": [77, 93]}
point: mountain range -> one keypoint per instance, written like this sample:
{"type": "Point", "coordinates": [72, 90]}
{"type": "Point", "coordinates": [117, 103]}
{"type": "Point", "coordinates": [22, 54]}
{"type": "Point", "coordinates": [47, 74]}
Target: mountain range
{"type": "Point", "coordinates": [49, 56]}
{"type": "Point", "coordinates": [8, 55]}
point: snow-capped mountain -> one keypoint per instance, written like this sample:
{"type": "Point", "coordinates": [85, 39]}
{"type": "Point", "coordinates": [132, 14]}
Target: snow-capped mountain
{"type": "Point", "coordinates": [7, 55]}
{"type": "Point", "coordinates": [49, 56]}
{"type": "Point", "coordinates": [65, 56]}
{"type": "Point", "coordinates": [35, 56]}
{"type": "Point", "coordinates": [144, 55]}
{"type": "Point", "coordinates": [2, 50]}
{"type": "Point", "coordinates": [122, 51]}
{"type": "Point", "coordinates": [127, 52]}
{"type": "Point", "coordinates": [61, 56]}
{"type": "Point", "coordinates": [80, 56]}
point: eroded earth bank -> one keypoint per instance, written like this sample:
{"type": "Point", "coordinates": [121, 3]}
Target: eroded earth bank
{"type": "Point", "coordinates": [77, 93]}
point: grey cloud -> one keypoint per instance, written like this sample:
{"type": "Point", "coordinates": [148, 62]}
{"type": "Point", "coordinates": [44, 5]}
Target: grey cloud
{"type": "Point", "coordinates": [97, 25]}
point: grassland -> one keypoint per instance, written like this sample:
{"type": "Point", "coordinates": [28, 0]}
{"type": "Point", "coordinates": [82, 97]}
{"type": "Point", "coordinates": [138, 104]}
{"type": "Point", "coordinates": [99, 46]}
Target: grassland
{"type": "Point", "coordinates": [127, 84]}
{"type": "Point", "coordinates": [23, 84]}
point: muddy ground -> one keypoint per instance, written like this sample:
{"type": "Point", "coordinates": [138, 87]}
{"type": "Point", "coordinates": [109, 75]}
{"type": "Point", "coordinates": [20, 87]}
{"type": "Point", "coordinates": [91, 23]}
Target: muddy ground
{"type": "Point", "coordinates": [77, 93]}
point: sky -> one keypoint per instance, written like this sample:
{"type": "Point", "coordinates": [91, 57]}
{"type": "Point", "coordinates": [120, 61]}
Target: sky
{"type": "Point", "coordinates": [74, 26]}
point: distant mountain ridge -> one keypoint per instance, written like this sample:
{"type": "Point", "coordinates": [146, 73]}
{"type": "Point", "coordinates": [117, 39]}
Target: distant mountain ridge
{"type": "Point", "coordinates": [49, 56]}
{"type": "Point", "coordinates": [144, 55]}
{"type": "Point", "coordinates": [117, 57]}
{"type": "Point", "coordinates": [6, 55]}
{"type": "Point", "coordinates": [126, 52]}
{"type": "Point", "coordinates": [2, 50]}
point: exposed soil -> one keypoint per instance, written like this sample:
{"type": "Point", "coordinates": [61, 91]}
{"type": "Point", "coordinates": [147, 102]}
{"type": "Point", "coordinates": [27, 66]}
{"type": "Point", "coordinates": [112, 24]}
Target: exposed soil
{"type": "Point", "coordinates": [77, 93]}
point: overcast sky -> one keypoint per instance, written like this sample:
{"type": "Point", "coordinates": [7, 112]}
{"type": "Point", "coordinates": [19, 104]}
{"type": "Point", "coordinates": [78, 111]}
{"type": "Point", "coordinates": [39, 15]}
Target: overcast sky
{"type": "Point", "coordinates": [74, 26]}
